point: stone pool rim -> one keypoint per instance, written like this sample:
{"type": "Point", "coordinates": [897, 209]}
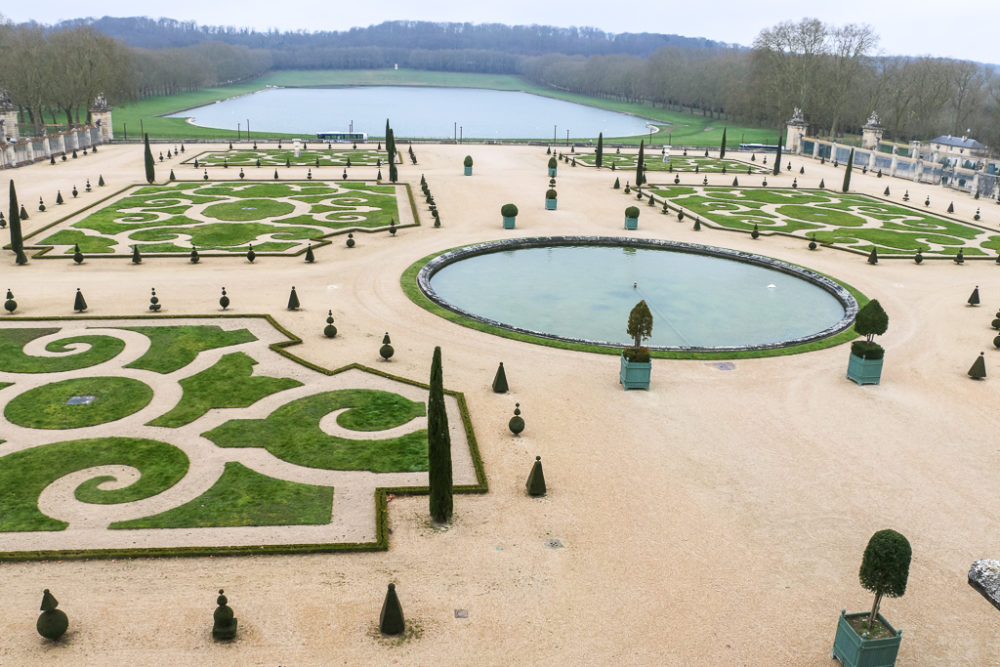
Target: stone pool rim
{"type": "Point", "coordinates": [421, 272]}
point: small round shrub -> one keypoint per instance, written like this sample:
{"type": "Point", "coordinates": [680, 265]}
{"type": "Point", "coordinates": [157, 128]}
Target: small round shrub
{"type": "Point", "coordinates": [508, 210]}
{"type": "Point", "coordinates": [550, 194]}
{"type": "Point", "coordinates": [467, 161]}
{"type": "Point", "coordinates": [632, 212]}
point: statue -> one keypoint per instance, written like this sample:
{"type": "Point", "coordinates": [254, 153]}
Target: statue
{"type": "Point", "coordinates": [873, 120]}
{"type": "Point", "coordinates": [797, 116]}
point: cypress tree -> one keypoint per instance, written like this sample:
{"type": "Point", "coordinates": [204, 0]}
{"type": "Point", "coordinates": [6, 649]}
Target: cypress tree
{"type": "Point", "coordinates": [148, 159]}
{"type": "Point", "coordinates": [639, 176]}
{"type": "Point", "coordinates": [847, 171]}
{"type": "Point", "coordinates": [16, 240]}
{"type": "Point", "coordinates": [722, 147]}
{"type": "Point", "coordinates": [438, 446]}
{"type": "Point", "coordinates": [393, 174]}
{"type": "Point", "coordinates": [599, 154]}
{"type": "Point", "coordinates": [777, 159]}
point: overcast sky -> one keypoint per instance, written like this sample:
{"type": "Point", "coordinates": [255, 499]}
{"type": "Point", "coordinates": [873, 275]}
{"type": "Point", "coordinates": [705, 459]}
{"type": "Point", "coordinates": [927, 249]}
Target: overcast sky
{"type": "Point", "coordinates": [964, 30]}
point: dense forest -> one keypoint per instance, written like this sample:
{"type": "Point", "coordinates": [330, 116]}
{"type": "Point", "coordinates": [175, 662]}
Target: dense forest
{"type": "Point", "coordinates": [834, 73]}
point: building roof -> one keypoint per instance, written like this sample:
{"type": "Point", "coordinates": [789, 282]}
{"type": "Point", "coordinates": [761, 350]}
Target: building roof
{"type": "Point", "coordinates": [959, 142]}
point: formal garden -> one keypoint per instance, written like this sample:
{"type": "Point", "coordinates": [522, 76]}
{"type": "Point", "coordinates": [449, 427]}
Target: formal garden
{"type": "Point", "coordinates": [204, 424]}
{"type": "Point", "coordinates": [655, 160]}
{"type": "Point", "coordinates": [291, 157]}
{"type": "Point", "coordinates": [226, 217]}
{"type": "Point", "coordinates": [855, 222]}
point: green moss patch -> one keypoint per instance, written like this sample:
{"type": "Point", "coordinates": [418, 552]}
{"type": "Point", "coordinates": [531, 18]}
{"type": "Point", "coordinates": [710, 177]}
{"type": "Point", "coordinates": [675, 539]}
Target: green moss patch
{"type": "Point", "coordinates": [244, 497]}
{"type": "Point", "coordinates": [292, 432]}
{"type": "Point", "coordinates": [173, 348]}
{"type": "Point", "coordinates": [25, 474]}
{"type": "Point", "coordinates": [57, 406]}
{"type": "Point", "coordinates": [227, 384]}
{"type": "Point", "coordinates": [91, 351]}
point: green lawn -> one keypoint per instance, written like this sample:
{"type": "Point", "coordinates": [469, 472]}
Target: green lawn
{"type": "Point", "coordinates": [111, 398]}
{"type": "Point", "coordinates": [173, 348]}
{"type": "Point", "coordinates": [674, 127]}
{"type": "Point", "coordinates": [268, 157]}
{"type": "Point", "coordinates": [93, 350]}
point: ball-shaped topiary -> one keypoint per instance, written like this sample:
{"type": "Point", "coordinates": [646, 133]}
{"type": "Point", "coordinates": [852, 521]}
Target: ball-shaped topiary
{"type": "Point", "coordinates": [550, 194]}
{"type": "Point", "coordinates": [885, 567]}
{"type": "Point", "coordinates": [870, 321]}
{"type": "Point", "coordinates": [508, 210]}
{"type": "Point", "coordinates": [467, 162]}
{"type": "Point", "coordinates": [552, 163]}
{"type": "Point", "coordinates": [632, 212]}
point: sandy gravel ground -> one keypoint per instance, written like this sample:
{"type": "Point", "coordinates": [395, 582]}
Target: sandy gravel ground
{"type": "Point", "coordinates": [718, 519]}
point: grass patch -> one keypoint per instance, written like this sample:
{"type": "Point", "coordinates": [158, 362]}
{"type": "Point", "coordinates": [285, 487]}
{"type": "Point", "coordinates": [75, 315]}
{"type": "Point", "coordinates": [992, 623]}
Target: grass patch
{"type": "Point", "coordinates": [173, 348]}
{"type": "Point", "coordinates": [93, 350]}
{"type": "Point", "coordinates": [279, 158]}
{"type": "Point", "coordinates": [46, 406]}
{"type": "Point", "coordinates": [292, 432]}
{"type": "Point", "coordinates": [244, 497]}
{"type": "Point", "coordinates": [227, 384]}
{"type": "Point", "coordinates": [25, 474]}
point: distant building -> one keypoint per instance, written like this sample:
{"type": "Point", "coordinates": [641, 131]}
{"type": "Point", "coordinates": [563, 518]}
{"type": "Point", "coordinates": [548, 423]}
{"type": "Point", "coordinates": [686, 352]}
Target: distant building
{"type": "Point", "coordinates": [957, 152]}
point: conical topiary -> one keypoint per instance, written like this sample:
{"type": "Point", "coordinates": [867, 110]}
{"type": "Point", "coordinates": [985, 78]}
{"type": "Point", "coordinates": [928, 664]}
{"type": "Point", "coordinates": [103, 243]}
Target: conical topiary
{"type": "Point", "coordinates": [873, 256]}
{"type": "Point", "coordinates": [224, 299]}
{"type": "Point", "coordinates": [536, 479]}
{"type": "Point", "coordinates": [500, 381]}
{"type": "Point", "coordinates": [822, 184]}
{"type": "Point", "coordinates": [77, 255]}
{"type": "Point", "coordinates": [386, 350]}
{"type": "Point", "coordinates": [24, 213]}
{"type": "Point", "coordinates": [697, 224]}
{"type": "Point", "coordinates": [52, 622]}
{"type": "Point", "coordinates": [951, 207]}
{"type": "Point", "coordinates": [172, 177]}
{"type": "Point", "coordinates": [195, 257]}
{"type": "Point", "coordinates": [251, 255]}
{"type": "Point", "coordinates": [224, 622]}
{"type": "Point", "coordinates": [978, 370]}
{"type": "Point", "coordinates": [329, 330]}
{"type": "Point", "coordinates": [10, 305]}
{"type": "Point", "coordinates": [617, 185]}
{"type": "Point", "coordinates": [886, 191]}
{"type": "Point", "coordinates": [154, 302]}
{"type": "Point", "coordinates": [516, 423]}
{"type": "Point", "coordinates": [310, 257]}
{"type": "Point", "coordinates": [275, 174]}
{"type": "Point", "coordinates": [390, 619]}
{"type": "Point", "coordinates": [79, 303]}
{"type": "Point", "coordinates": [293, 300]}
{"type": "Point", "coordinates": [974, 297]}
{"type": "Point", "coordinates": [136, 257]}
{"type": "Point", "coordinates": [754, 233]}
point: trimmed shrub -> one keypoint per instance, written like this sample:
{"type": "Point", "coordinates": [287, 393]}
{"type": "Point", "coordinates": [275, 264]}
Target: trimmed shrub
{"type": "Point", "coordinates": [550, 194]}
{"type": "Point", "coordinates": [467, 162]}
{"type": "Point", "coordinates": [632, 212]}
{"type": "Point", "coordinates": [508, 210]}
{"type": "Point", "coordinates": [885, 567]}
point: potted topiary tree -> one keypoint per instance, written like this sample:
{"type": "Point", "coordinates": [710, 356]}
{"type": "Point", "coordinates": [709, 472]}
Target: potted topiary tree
{"type": "Point", "coordinates": [632, 217]}
{"type": "Point", "coordinates": [635, 364]}
{"type": "Point", "coordinates": [509, 213]}
{"type": "Point", "coordinates": [550, 199]}
{"type": "Point", "coordinates": [468, 165]}
{"type": "Point", "coordinates": [552, 167]}
{"type": "Point", "coordinates": [866, 639]}
{"type": "Point", "coordinates": [865, 365]}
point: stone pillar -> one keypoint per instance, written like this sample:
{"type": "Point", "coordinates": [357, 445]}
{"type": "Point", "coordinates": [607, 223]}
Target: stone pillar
{"type": "Point", "coordinates": [46, 146]}
{"type": "Point", "coordinates": [100, 116]}
{"type": "Point", "coordinates": [8, 117]}
{"type": "Point", "coordinates": [795, 129]}
{"type": "Point", "coordinates": [895, 162]}
{"type": "Point", "coordinates": [871, 133]}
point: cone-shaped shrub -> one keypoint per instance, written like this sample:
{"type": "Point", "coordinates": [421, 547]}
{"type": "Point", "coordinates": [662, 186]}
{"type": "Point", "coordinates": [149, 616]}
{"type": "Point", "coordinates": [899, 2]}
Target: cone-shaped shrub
{"type": "Point", "coordinates": [172, 177]}
{"type": "Point", "coordinates": [23, 212]}
{"type": "Point", "coordinates": [500, 381]}
{"type": "Point", "coordinates": [79, 303]}
{"type": "Point", "coordinates": [293, 300]}
{"type": "Point", "coordinates": [974, 297]}
{"type": "Point", "coordinates": [951, 207]}
{"type": "Point", "coordinates": [390, 619]}
{"type": "Point", "coordinates": [697, 224]}
{"type": "Point", "coordinates": [886, 191]}
{"type": "Point", "coordinates": [847, 172]}
{"type": "Point", "coordinates": [310, 257]}
{"type": "Point", "coordinates": [439, 474]}
{"type": "Point", "coordinates": [516, 423]}
{"type": "Point", "coordinates": [59, 197]}
{"type": "Point", "coordinates": [873, 256]}
{"type": "Point", "coordinates": [136, 257]}
{"type": "Point", "coordinates": [822, 184]}
{"type": "Point", "coordinates": [885, 567]}
{"type": "Point", "coordinates": [148, 160]}
{"type": "Point", "coordinates": [978, 370]}
{"type": "Point", "coordinates": [536, 479]}
{"type": "Point", "coordinates": [52, 622]}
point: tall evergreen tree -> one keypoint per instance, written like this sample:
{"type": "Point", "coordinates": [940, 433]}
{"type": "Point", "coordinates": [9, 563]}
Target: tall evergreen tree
{"type": "Point", "coordinates": [14, 216]}
{"type": "Point", "coordinates": [722, 147]}
{"type": "Point", "coordinates": [150, 165]}
{"type": "Point", "coordinates": [599, 155]}
{"type": "Point", "coordinates": [847, 172]}
{"type": "Point", "coordinates": [438, 446]}
{"type": "Point", "coordinates": [777, 159]}
{"type": "Point", "coordinates": [640, 176]}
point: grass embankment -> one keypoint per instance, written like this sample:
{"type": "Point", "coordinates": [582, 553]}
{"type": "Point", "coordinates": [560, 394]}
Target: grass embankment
{"type": "Point", "coordinates": [674, 127]}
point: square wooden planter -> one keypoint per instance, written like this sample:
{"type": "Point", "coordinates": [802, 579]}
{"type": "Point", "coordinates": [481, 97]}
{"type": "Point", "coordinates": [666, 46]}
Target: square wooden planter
{"type": "Point", "coordinates": [864, 371]}
{"type": "Point", "coordinates": [634, 374]}
{"type": "Point", "coordinates": [550, 204]}
{"type": "Point", "coordinates": [631, 223]}
{"type": "Point", "coordinates": [508, 221]}
{"type": "Point", "coordinates": [853, 650]}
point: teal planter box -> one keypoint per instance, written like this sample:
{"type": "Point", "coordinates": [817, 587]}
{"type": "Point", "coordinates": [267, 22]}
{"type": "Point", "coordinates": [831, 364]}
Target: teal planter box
{"type": "Point", "coordinates": [631, 223]}
{"type": "Point", "coordinates": [552, 172]}
{"type": "Point", "coordinates": [468, 171]}
{"type": "Point", "coordinates": [853, 650]}
{"type": "Point", "coordinates": [508, 222]}
{"type": "Point", "coordinates": [634, 374]}
{"type": "Point", "coordinates": [864, 371]}
{"type": "Point", "coordinates": [550, 204]}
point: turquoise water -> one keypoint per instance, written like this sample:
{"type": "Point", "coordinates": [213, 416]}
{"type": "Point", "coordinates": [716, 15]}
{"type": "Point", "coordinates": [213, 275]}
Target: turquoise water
{"type": "Point", "coordinates": [417, 112]}
{"type": "Point", "coordinates": [586, 292]}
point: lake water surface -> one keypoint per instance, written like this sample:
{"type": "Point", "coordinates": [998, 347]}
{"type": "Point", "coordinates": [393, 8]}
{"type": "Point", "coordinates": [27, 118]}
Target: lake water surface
{"type": "Point", "coordinates": [417, 112]}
